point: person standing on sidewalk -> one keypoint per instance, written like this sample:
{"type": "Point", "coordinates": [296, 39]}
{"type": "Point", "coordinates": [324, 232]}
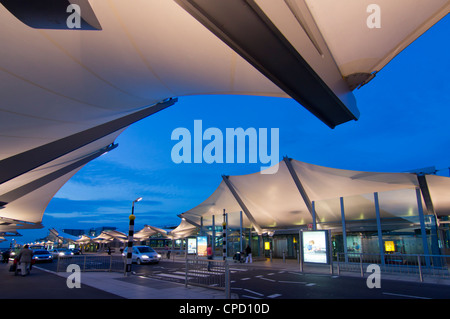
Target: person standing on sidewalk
{"type": "Point", "coordinates": [24, 258]}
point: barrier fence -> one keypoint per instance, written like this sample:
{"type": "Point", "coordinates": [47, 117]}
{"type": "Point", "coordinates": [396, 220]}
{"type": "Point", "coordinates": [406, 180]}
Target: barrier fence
{"type": "Point", "coordinates": [208, 273]}
{"type": "Point", "coordinates": [436, 266]}
{"type": "Point", "coordinates": [113, 263]}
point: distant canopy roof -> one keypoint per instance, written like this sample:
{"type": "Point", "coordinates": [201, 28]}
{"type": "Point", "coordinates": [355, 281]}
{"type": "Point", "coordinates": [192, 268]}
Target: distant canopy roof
{"type": "Point", "coordinates": [68, 93]}
{"type": "Point", "coordinates": [148, 231]}
{"type": "Point", "coordinates": [284, 199]}
{"type": "Point", "coordinates": [110, 235]}
{"type": "Point", "coordinates": [61, 236]}
{"type": "Point", "coordinates": [84, 239]}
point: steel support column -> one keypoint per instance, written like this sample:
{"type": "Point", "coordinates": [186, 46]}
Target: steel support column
{"type": "Point", "coordinates": [241, 204]}
{"type": "Point", "coordinates": [379, 230]}
{"type": "Point", "coordinates": [344, 229]}
{"type": "Point", "coordinates": [423, 230]}
{"type": "Point", "coordinates": [301, 189]}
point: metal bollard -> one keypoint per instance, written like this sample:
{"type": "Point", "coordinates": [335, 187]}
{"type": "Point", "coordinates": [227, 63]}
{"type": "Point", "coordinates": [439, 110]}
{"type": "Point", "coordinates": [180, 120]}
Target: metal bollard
{"type": "Point", "coordinates": [227, 281]}
{"type": "Point", "coordinates": [186, 275]}
{"type": "Point", "coordinates": [420, 268]}
{"type": "Point", "coordinates": [361, 266]}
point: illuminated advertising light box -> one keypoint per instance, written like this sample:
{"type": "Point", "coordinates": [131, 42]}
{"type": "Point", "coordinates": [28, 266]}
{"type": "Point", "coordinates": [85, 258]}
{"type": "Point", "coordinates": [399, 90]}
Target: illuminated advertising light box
{"type": "Point", "coordinates": [202, 244]}
{"type": "Point", "coordinates": [389, 246]}
{"type": "Point", "coordinates": [315, 246]}
{"type": "Point", "coordinates": [192, 245]}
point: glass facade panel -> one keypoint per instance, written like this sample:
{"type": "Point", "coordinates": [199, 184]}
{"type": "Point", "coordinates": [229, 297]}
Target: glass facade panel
{"type": "Point", "coordinates": [400, 222]}
{"type": "Point", "coordinates": [400, 228]}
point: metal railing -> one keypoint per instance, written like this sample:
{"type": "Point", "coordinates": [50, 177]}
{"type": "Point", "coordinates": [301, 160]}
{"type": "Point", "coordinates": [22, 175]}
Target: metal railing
{"type": "Point", "coordinates": [436, 266]}
{"type": "Point", "coordinates": [208, 273]}
{"type": "Point", "coordinates": [113, 263]}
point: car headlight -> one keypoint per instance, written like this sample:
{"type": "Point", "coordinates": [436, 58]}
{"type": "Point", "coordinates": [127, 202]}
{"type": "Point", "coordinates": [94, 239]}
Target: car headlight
{"type": "Point", "coordinates": [159, 256]}
{"type": "Point", "coordinates": [61, 254]}
{"type": "Point", "coordinates": [145, 257]}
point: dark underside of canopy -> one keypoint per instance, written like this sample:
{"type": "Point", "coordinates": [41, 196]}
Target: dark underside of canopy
{"type": "Point", "coordinates": [243, 26]}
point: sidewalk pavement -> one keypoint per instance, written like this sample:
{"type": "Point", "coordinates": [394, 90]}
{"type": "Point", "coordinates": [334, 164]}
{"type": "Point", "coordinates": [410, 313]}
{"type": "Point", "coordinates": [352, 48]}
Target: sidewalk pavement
{"type": "Point", "coordinates": [45, 284]}
{"type": "Point", "coordinates": [140, 287]}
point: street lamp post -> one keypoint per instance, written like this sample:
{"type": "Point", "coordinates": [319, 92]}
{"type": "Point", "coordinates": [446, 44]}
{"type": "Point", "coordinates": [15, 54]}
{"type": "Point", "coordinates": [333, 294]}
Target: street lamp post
{"type": "Point", "coordinates": [130, 239]}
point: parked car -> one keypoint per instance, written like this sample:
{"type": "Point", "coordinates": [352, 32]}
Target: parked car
{"type": "Point", "coordinates": [61, 252]}
{"type": "Point", "coordinates": [42, 255]}
{"type": "Point", "coordinates": [76, 251]}
{"type": "Point", "coordinates": [143, 255]}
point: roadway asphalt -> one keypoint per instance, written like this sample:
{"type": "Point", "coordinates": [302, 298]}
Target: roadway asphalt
{"type": "Point", "coordinates": [43, 283]}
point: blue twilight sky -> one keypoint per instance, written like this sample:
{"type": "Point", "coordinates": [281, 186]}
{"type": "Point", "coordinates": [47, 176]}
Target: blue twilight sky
{"type": "Point", "coordinates": [405, 113]}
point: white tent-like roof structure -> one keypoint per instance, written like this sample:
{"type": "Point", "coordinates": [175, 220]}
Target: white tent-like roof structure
{"type": "Point", "coordinates": [284, 199]}
{"type": "Point", "coordinates": [183, 230]}
{"type": "Point", "coordinates": [107, 236]}
{"type": "Point", "coordinates": [148, 231]}
{"type": "Point", "coordinates": [67, 93]}
{"type": "Point", "coordinates": [60, 236]}
{"type": "Point", "coordinates": [84, 239]}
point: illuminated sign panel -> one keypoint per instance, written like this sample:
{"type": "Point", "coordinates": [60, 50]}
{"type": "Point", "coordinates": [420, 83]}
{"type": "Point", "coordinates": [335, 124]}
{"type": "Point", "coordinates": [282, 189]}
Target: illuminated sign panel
{"type": "Point", "coordinates": [192, 245]}
{"type": "Point", "coordinates": [389, 246]}
{"type": "Point", "coordinates": [202, 244]}
{"type": "Point", "coordinates": [315, 246]}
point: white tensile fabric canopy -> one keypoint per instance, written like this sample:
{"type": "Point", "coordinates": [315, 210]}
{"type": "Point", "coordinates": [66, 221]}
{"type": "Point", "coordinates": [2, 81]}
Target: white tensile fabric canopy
{"type": "Point", "coordinates": [185, 229]}
{"type": "Point", "coordinates": [148, 231]}
{"type": "Point", "coordinates": [60, 236]}
{"type": "Point", "coordinates": [84, 239]}
{"type": "Point", "coordinates": [275, 201]}
{"type": "Point", "coordinates": [58, 83]}
{"type": "Point", "coordinates": [110, 235]}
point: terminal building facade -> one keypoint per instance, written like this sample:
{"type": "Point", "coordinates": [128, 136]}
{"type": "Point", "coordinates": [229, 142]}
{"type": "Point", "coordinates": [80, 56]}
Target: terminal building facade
{"type": "Point", "coordinates": [365, 212]}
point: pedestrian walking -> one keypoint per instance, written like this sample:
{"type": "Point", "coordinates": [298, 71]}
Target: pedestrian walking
{"type": "Point", "coordinates": [24, 259]}
{"type": "Point", "coordinates": [248, 252]}
{"type": "Point", "coordinates": [168, 252]}
{"type": "Point", "coordinates": [209, 254]}
{"type": "Point", "coordinates": [6, 254]}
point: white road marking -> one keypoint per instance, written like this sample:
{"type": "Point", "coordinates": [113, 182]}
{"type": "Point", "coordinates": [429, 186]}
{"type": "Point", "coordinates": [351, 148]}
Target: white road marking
{"type": "Point", "coordinates": [251, 297]}
{"type": "Point", "coordinates": [292, 282]}
{"type": "Point", "coordinates": [191, 274]}
{"type": "Point", "coordinates": [254, 292]}
{"type": "Point", "coordinates": [274, 296]}
{"type": "Point", "coordinates": [407, 296]}
{"type": "Point", "coordinates": [238, 269]}
{"type": "Point", "coordinates": [173, 276]}
{"type": "Point", "coordinates": [268, 279]}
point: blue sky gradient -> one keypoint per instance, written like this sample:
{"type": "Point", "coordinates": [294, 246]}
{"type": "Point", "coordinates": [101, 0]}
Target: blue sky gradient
{"type": "Point", "coordinates": [403, 126]}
